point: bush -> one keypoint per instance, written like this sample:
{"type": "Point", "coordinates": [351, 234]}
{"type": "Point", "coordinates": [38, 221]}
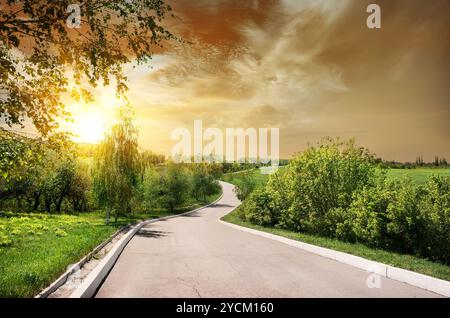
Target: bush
{"type": "Point", "coordinates": [337, 190]}
{"type": "Point", "coordinates": [245, 186]}
{"type": "Point", "coordinates": [259, 209]}
{"type": "Point", "coordinates": [434, 208]}
{"type": "Point", "coordinates": [283, 202]}
{"type": "Point", "coordinates": [320, 182]}
{"type": "Point", "coordinates": [367, 215]}
{"type": "Point", "coordinates": [338, 224]}
{"type": "Point", "coordinates": [404, 217]}
{"type": "Point", "coordinates": [405, 224]}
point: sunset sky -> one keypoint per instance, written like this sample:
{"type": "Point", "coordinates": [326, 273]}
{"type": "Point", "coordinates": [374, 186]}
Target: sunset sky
{"type": "Point", "coordinates": [311, 68]}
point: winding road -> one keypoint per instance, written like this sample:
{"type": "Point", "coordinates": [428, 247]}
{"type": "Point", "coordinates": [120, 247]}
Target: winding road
{"type": "Point", "coordinates": [197, 256]}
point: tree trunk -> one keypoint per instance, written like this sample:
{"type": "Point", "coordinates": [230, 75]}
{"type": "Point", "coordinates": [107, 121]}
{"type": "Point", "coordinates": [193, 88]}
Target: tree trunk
{"type": "Point", "coordinates": [37, 199]}
{"type": "Point", "coordinates": [107, 216]}
{"type": "Point", "coordinates": [19, 203]}
{"type": "Point", "coordinates": [48, 205]}
{"type": "Point", "coordinates": [58, 204]}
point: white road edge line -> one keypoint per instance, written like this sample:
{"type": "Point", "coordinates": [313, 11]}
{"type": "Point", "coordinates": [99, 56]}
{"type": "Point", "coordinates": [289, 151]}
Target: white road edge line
{"type": "Point", "coordinates": [92, 282]}
{"type": "Point", "coordinates": [429, 283]}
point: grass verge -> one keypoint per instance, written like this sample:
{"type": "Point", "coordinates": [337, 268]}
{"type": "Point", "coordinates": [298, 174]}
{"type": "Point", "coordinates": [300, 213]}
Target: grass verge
{"type": "Point", "coordinates": [407, 262]}
{"type": "Point", "coordinates": [36, 248]}
{"type": "Point", "coordinates": [419, 175]}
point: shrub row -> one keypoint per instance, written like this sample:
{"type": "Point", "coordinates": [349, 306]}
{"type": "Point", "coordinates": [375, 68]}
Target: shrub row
{"type": "Point", "coordinates": [336, 190]}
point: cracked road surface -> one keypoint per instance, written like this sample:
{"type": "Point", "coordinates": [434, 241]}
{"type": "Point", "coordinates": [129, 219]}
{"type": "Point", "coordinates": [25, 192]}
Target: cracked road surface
{"type": "Point", "coordinates": [197, 256]}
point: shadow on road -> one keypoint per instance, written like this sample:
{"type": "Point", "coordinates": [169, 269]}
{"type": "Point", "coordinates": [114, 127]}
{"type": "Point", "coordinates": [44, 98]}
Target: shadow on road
{"type": "Point", "coordinates": [190, 215]}
{"type": "Point", "coordinates": [151, 234]}
{"type": "Point", "coordinates": [223, 205]}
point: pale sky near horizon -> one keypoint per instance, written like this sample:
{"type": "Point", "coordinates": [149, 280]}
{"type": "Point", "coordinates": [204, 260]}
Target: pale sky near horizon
{"type": "Point", "coordinates": [311, 68]}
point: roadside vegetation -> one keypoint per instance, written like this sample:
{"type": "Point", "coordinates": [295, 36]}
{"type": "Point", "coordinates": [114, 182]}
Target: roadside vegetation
{"type": "Point", "coordinates": [35, 248]}
{"type": "Point", "coordinates": [408, 262]}
{"type": "Point", "coordinates": [338, 191]}
{"type": "Point", "coordinates": [61, 199]}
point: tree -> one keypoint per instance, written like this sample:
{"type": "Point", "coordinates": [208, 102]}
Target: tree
{"type": "Point", "coordinates": [26, 165]}
{"type": "Point", "coordinates": [175, 186]}
{"type": "Point", "coordinates": [117, 165]}
{"type": "Point", "coordinates": [203, 181]}
{"type": "Point", "coordinates": [62, 183]}
{"type": "Point", "coordinates": [436, 161]}
{"type": "Point", "coordinates": [79, 188]}
{"type": "Point", "coordinates": [40, 43]}
{"type": "Point", "coordinates": [149, 159]}
{"type": "Point", "coordinates": [147, 193]}
{"type": "Point", "coordinates": [419, 161]}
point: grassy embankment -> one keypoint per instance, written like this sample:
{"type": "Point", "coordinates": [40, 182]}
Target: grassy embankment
{"type": "Point", "coordinates": [36, 248]}
{"type": "Point", "coordinates": [408, 262]}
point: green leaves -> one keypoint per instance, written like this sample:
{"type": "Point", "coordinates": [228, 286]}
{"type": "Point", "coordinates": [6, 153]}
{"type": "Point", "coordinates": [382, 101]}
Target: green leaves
{"type": "Point", "coordinates": [337, 190]}
{"type": "Point", "coordinates": [38, 48]}
{"type": "Point", "coordinates": [118, 164]}
{"type": "Point", "coordinates": [245, 185]}
{"type": "Point", "coordinates": [203, 181]}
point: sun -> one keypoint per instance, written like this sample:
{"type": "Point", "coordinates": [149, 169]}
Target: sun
{"type": "Point", "coordinates": [88, 127]}
{"type": "Point", "coordinates": [89, 121]}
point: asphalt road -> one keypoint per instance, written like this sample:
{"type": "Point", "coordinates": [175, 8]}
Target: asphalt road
{"type": "Point", "coordinates": [197, 256]}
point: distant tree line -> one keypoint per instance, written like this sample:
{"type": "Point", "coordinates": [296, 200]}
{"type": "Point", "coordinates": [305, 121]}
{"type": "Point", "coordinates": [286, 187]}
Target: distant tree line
{"type": "Point", "coordinates": [438, 162]}
{"type": "Point", "coordinates": [45, 175]}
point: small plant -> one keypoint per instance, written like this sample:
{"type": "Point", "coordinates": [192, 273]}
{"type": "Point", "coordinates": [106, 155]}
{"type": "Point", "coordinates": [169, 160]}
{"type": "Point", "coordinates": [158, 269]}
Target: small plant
{"type": "Point", "coordinates": [5, 241]}
{"type": "Point", "coordinates": [60, 232]}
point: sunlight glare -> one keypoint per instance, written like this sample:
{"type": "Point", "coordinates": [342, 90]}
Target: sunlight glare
{"type": "Point", "coordinates": [88, 127]}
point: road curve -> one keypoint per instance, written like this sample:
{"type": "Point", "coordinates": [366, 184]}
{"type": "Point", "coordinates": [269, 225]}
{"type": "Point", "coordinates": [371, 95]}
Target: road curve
{"type": "Point", "coordinates": [197, 256]}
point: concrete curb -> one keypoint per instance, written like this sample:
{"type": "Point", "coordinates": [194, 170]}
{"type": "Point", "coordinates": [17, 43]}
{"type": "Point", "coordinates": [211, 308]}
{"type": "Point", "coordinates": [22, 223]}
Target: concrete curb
{"type": "Point", "coordinates": [429, 283]}
{"type": "Point", "coordinates": [93, 281]}
{"type": "Point", "coordinates": [61, 280]}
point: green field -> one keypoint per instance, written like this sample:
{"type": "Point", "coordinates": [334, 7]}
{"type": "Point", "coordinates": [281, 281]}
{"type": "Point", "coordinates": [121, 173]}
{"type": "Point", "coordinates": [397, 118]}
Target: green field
{"type": "Point", "coordinates": [419, 175]}
{"type": "Point", "coordinates": [36, 248]}
{"type": "Point", "coordinates": [261, 179]}
{"type": "Point", "coordinates": [255, 174]}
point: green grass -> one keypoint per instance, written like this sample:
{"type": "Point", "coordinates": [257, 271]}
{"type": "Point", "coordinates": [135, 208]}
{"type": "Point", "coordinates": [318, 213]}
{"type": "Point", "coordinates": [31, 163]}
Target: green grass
{"type": "Point", "coordinates": [234, 178]}
{"type": "Point", "coordinates": [419, 175]}
{"type": "Point", "coordinates": [407, 262]}
{"type": "Point", "coordinates": [36, 248]}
